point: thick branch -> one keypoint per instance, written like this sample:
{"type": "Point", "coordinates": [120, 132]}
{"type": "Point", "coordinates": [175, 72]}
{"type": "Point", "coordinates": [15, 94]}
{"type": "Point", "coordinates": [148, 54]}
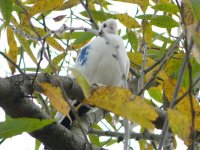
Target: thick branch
{"type": "Point", "coordinates": [13, 100]}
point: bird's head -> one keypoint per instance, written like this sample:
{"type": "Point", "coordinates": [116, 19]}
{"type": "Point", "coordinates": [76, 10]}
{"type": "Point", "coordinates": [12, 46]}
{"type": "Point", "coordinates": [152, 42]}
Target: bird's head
{"type": "Point", "coordinates": [109, 26]}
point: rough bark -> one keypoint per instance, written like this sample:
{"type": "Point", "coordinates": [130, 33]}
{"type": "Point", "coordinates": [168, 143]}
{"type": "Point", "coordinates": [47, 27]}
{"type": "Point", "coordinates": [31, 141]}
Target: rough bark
{"type": "Point", "coordinates": [13, 99]}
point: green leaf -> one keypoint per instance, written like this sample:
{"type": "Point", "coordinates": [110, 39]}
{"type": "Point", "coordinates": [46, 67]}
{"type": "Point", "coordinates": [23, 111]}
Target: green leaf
{"type": "Point", "coordinates": [99, 15]}
{"type": "Point", "coordinates": [164, 22]}
{"type": "Point", "coordinates": [173, 65]}
{"type": "Point", "coordinates": [2, 27]}
{"type": "Point", "coordinates": [26, 47]}
{"type": "Point", "coordinates": [109, 119]}
{"type": "Point", "coordinates": [37, 144]}
{"type": "Point", "coordinates": [195, 6]}
{"type": "Point", "coordinates": [82, 81]}
{"type": "Point", "coordinates": [96, 126]}
{"type": "Point", "coordinates": [6, 9]}
{"type": "Point", "coordinates": [82, 39]}
{"type": "Point", "coordinates": [111, 142]}
{"type": "Point", "coordinates": [156, 54]}
{"type": "Point", "coordinates": [146, 16]}
{"type": "Point", "coordinates": [71, 35]}
{"type": "Point", "coordinates": [14, 127]}
{"type": "Point", "coordinates": [128, 21]}
{"type": "Point", "coordinates": [55, 62]}
{"type": "Point", "coordinates": [166, 7]}
{"type": "Point", "coordinates": [156, 94]}
{"type": "Point", "coordinates": [160, 36]}
{"type": "Point", "coordinates": [195, 74]}
{"type": "Point", "coordinates": [94, 139]}
{"type": "Point", "coordinates": [132, 38]}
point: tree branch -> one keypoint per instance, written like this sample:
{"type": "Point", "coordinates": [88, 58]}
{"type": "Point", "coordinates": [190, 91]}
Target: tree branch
{"type": "Point", "coordinates": [15, 104]}
{"type": "Point", "coordinates": [133, 135]}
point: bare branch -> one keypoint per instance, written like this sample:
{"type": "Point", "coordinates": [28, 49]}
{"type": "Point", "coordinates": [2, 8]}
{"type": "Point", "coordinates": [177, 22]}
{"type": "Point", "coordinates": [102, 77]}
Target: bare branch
{"type": "Point", "coordinates": [89, 14]}
{"type": "Point", "coordinates": [133, 135]}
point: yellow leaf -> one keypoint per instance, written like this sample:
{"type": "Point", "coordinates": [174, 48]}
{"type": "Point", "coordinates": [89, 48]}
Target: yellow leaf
{"type": "Point", "coordinates": [78, 45]}
{"type": "Point", "coordinates": [179, 124]}
{"type": "Point", "coordinates": [118, 101]}
{"type": "Point", "coordinates": [172, 63]}
{"type": "Point", "coordinates": [56, 98]}
{"type": "Point", "coordinates": [128, 21]}
{"type": "Point", "coordinates": [189, 17]}
{"type": "Point", "coordinates": [148, 32]}
{"type": "Point", "coordinates": [42, 6]}
{"type": "Point", "coordinates": [169, 86]}
{"type": "Point", "coordinates": [51, 41]}
{"type": "Point", "coordinates": [69, 4]}
{"type": "Point", "coordinates": [13, 49]}
{"type": "Point", "coordinates": [136, 62]}
{"type": "Point", "coordinates": [183, 106]}
{"type": "Point", "coordinates": [82, 81]}
{"type": "Point", "coordinates": [23, 27]}
{"type": "Point", "coordinates": [91, 5]}
{"type": "Point", "coordinates": [143, 4]}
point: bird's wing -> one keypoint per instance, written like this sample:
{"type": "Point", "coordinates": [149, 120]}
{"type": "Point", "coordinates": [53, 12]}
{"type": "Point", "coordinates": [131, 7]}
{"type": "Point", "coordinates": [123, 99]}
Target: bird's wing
{"type": "Point", "coordinates": [89, 57]}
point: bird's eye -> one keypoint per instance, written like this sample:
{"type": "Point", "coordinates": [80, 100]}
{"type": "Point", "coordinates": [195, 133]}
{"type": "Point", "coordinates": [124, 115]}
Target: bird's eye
{"type": "Point", "coordinates": [104, 25]}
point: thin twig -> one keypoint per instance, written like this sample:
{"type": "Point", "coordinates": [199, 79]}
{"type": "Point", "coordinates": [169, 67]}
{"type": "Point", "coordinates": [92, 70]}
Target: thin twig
{"type": "Point", "coordinates": [41, 58]}
{"type": "Point", "coordinates": [144, 59]}
{"type": "Point", "coordinates": [102, 10]}
{"type": "Point", "coordinates": [133, 135]}
{"type": "Point", "coordinates": [64, 28]}
{"type": "Point", "coordinates": [75, 114]}
{"type": "Point", "coordinates": [29, 18]}
{"type": "Point", "coordinates": [89, 14]}
{"type": "Point", "coordinates": [181, 97]}
{"type": "Point", "coordinates": [12, 62]}
{"type": "Point", "coordinates": [164, 60]}
{"type": "Point", "coordinates": [178, 85]}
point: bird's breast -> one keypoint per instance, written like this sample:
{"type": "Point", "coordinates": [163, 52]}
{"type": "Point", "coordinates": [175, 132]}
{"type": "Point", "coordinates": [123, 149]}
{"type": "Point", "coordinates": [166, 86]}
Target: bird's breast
{"type": "Point", "coordinates": [102, 65]}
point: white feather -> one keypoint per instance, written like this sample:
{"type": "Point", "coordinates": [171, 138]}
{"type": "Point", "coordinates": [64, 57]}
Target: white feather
{"type": "Point", "coordinates": [101, 65]}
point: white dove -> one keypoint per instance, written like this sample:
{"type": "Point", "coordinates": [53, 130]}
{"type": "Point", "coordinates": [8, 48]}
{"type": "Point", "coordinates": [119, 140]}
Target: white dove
{"type": "Point", "coordinates": [104, 60]}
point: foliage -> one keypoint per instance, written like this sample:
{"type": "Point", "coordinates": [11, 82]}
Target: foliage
{"type": "Point", "coordinates": [167, 67]}
{"type": "Point", "coordinates": [12, 127]}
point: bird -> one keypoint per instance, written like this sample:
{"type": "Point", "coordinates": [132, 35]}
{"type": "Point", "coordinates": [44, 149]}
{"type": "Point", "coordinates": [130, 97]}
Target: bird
{"type": "Point", "coordinates": [104, 60]}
